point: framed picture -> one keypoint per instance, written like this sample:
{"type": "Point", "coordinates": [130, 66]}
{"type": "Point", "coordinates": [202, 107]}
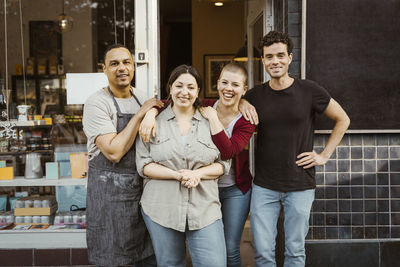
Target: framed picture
{"type": "Point", "coordinates": [213, 65]}
{"type": "Point", "coordinates": [45, 40]}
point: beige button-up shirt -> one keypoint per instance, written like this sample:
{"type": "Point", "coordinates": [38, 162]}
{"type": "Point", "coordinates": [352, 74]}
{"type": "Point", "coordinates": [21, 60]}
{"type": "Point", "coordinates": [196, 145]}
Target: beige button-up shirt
{"type": "Point", "coordinates": [167, 202]}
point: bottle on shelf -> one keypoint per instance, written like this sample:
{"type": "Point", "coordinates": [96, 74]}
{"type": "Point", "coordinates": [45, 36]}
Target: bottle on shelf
{"type": "Point", "coordinates": [60, 67]}
{"type": "Point", "coordinates": [3, 108]}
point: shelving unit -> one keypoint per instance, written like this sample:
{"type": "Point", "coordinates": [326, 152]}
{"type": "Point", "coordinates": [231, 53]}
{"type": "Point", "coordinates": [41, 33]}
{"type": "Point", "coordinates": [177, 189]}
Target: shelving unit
{"type": "Point", "coordinates": [22, 181]}
{"type": "Point", "coordinates": [43, 239]}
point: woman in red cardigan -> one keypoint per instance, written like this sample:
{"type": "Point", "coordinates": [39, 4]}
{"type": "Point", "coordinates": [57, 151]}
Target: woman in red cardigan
{"type": "Point", "coordinates": [231, 133]}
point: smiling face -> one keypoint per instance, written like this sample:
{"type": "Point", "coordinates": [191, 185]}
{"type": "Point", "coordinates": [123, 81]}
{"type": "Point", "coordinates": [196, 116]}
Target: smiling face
{"type": "Point", "coordinates": [184, 91]}
{"type": "Point", "coordinates": [276, 60]}
{"type": "Point", "coordinates": [231, 87]}
{"type": "Point", "coordinates": [119, 68]}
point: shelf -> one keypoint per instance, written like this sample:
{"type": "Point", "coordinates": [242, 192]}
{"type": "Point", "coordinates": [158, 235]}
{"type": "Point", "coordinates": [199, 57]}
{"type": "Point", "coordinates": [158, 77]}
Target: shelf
{"type": "Point", "coordinates": [30, 123]}
{"type": "Point", "coordinates": [42, 76]}
{"type": "Point", "coordinates": [17, 239]}
{"type": "Point", "coordinates": [47, 151]}
{"type": "Point", "coordinates": [22, 181]}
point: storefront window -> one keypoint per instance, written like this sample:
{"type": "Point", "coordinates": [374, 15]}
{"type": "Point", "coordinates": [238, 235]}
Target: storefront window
{"type": "Point", "coordinates": [56, 37]}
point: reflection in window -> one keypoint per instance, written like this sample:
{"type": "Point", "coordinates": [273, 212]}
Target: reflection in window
{"type": "Point", "coordinates": [49, 53]}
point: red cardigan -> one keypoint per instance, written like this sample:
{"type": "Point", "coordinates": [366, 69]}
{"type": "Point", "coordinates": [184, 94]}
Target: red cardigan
{"type": "Point", "coordinates": [234, 148]}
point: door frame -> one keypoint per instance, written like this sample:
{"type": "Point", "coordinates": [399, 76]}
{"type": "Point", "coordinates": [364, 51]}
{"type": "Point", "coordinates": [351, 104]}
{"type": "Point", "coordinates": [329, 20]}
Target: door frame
{"type": "Point", "coordinates": [256, 10]}
{"type": "Point", "coordinates": [147, 47]}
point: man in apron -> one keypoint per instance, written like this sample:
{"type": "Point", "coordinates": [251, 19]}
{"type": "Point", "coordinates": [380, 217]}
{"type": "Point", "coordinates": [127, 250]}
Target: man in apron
{"type": "Point", "coordinates": [116, 234]}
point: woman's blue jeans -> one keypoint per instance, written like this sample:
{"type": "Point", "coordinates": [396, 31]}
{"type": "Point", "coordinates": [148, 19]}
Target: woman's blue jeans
{"type": "Point", "coordinates": [206, 245]}
{"type": "Point", "coordinates": [264, 213]}
{"type": "Point", "coordinates": [235, 209]}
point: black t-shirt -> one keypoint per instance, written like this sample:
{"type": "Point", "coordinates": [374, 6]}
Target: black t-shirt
{"type": "Point", "coordinates": [286, 129]}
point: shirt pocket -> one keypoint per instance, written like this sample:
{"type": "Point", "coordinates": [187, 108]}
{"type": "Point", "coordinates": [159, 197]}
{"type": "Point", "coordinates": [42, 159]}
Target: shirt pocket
{"type": "Point", "coordinates": [160, 149]}
{"type": "Point", "coordinates": [207, 151]}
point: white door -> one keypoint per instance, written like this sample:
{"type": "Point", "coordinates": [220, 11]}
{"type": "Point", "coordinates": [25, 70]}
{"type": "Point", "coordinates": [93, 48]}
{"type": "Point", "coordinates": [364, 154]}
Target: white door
{"type": "Point", "coordinates": [147, 48]}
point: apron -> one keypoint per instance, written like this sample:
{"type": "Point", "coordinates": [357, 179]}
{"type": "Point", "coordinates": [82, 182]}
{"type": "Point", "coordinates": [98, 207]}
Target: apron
{"type": "Point", "coordinates": [116, 234]}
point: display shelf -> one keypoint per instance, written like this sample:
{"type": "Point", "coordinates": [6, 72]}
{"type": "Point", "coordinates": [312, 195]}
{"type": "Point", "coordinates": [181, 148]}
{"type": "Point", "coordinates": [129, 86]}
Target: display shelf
{"type": "Point", "coordinates": [22, 181]}
{"type": "Point", "coordinates": [42, 151]}
{"type": "Point", "coordinates": [29, 123]}
{"type": "Point", "coordinates": [42, 239]}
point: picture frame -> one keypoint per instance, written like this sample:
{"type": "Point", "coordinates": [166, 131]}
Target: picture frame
{"type": "Point", "coordinates": [45, 40]}
{"type": "Point", "coordinates": [213, 64]}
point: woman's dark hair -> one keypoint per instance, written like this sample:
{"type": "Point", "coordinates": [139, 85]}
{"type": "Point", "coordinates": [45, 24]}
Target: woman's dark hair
{"type": "Point", "coordinates": [235, 67]}
{"type": "Point", "coordinates": [178, 71]}
{"type": "Point", "coordinates": [277, 37]}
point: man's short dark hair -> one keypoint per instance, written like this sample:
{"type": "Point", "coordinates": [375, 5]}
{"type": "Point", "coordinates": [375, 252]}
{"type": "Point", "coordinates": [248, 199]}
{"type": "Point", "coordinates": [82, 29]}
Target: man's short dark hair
{"type": "Point", "coordinates": [277, 37]}
{"type": "Point", "coordinates": [111, 47]}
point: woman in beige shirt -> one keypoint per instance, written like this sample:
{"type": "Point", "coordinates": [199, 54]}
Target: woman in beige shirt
{"type": "Point", "coordinates": [180, 167]}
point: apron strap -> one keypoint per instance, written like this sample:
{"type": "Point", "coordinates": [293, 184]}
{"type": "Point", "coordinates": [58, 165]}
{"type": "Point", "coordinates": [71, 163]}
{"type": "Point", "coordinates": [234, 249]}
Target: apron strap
{"type": "Point", "coordinates": [137, 100]}
{"type": "Point", "coordinates": [115, 102]}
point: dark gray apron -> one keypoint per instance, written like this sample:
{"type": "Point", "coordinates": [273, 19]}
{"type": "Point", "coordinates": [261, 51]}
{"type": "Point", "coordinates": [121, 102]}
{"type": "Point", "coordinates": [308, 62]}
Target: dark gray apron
{"type": "Point", "coordinates": [116, 234]}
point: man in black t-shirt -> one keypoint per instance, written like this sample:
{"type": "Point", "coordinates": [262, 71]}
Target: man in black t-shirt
{"type": "Point", "coordinates": [285, 160]}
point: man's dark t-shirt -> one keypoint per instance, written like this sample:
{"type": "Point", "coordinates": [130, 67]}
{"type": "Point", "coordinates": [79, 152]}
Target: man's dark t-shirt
{"type": "Point", "coordinates": [286, 129]}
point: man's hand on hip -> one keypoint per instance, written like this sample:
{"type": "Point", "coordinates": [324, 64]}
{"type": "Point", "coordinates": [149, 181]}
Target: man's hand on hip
{"type": "Point", "coordinates": [311, 159]}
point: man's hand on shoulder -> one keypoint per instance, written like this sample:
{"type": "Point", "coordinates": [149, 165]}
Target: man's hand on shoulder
{"type": "Point", "coordinates": [311, 159]}
{"type": "Point", "coordinates": [148, 104]}
{"type": "Point", "coordinates": [248, 111]}
{"type": "Point", "coordinates": [148, 125]}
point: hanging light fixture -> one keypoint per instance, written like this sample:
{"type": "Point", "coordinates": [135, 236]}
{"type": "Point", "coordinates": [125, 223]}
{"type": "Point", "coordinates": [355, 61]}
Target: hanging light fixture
{"type": "Point", "coordinates": [7, 91]}
{"type": "Point", "coordinates": [241, 54]}
{"type": "Point", "coordinates": [22, 109]}
{"type": "Point", "coordinates": [65, 22]}
{"type": "Point", "coordinates": [218, 3]}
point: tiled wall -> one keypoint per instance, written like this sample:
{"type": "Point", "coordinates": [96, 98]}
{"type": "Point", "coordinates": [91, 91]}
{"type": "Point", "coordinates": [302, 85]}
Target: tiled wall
{"type": "Point", "coordinates": [358, 190]}
{"type": "Point", "coordinates": [44, 257]}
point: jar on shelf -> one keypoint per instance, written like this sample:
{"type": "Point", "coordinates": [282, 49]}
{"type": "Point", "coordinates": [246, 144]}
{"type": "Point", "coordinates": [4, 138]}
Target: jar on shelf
{"type": "Point", "coordinates": [9, 217]}
{"type": "Point", "coordinates": [19, 219]}
{"type": "Point", "coordinates": [28, 219]}
{"type": "Point", "coordinates": [45, 219]}
{"type": "Point", "coordinates": [20, 204]}
{"type": "Point", "coordinates": [36, 219]}
{"type": "Point", "coordinates": [3, 144]}
{"type": "Point", "coordinates": [28, 203]}
{"type": "Point", "coordinates": [37, 203]}
{"type": "Point", "coordinates": [45, 203]}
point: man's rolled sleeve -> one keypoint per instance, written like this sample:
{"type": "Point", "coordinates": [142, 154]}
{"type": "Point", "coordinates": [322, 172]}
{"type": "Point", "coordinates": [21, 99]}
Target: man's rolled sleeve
{"type": "Point", "coordinates": [97, 121]}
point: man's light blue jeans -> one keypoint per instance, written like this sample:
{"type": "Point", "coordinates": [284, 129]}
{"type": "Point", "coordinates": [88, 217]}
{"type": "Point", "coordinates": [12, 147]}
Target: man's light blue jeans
{"type": "Point", "coordinates": [264, 213]}
{"type": "Point", "coordinates": [206, 245]}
